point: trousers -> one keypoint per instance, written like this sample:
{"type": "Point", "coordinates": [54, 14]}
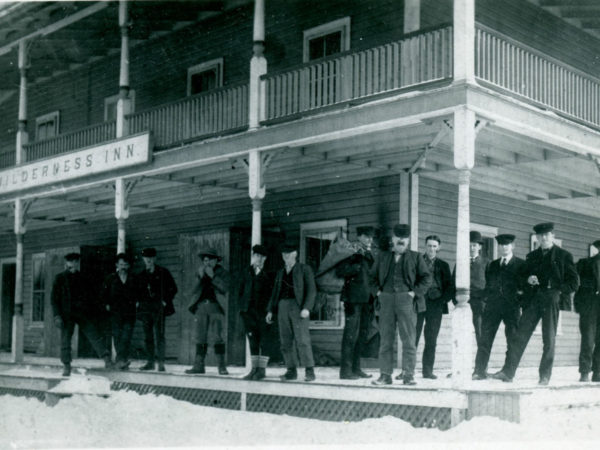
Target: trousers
{"type": "Point", "coordinates": [397, 310]}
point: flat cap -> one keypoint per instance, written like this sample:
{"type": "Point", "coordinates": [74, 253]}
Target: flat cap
{"type": "Point", "coordinates": [72, 256]}
{"type": "Point", "coordinates": [289, 247]}
{"type": "Point", "coordinates": [402, 230]}
{"type": "Point", "coordinates": [365, 231]}
{"type": "Point", "coordinates": [504, 239]}
{"type": "Point", "coordinates": [475, 236]}
{"type": "Point", "coordinates": [260, 250]}
{"type": "Point", "coordinates": [210, 252]}
{"type": "Point", "coordinates": [149, 252]}
{"type": "Point", "coordinates": [544, 227]}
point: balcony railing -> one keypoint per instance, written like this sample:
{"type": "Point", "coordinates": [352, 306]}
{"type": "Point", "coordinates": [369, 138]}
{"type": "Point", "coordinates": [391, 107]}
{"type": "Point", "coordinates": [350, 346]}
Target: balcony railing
{"type": "Point", "coordinates": [526, 72]}
{"type": "Point", "coordinates": [416, 60]}
{"type": "Point", "coordinates": [7, 157]}
{"type": "Point", "coordinates": [63, 143]}
{"type": "Point", "coordinates": [204, 114]}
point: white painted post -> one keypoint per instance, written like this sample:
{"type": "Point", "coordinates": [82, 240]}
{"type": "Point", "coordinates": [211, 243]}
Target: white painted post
{"type": "Point", "coordinates": [18, 326]}
{"type": "Point", "coordinates": [124, 102]}
{"type": "Point", "coordinates": [412, 15]}
{"type": "Point", "coordinates": [462, 334]}
{"type": "Point", "coordinates": [258, 67]}
{"type": "Point", "coordinates": [22, 134]}
{"type": "Point", "coordinates": [464, 41]}
{"type": "Point", "coordinates": [409, 206]}
{"type": "Point", "coordinates": [121, 212]}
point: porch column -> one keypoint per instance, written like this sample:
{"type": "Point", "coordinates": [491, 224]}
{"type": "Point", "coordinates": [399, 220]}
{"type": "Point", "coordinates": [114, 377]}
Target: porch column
{"type": "Point", "coordinates": [258, 67]}
{"type": "Point", "coordinates": [412, 15]}
{"type": "Point", "coordinates": [121, 212]}
{"type": "Point", "coordinates": [17, 325]}
{"type": "Point", "coordinates": [462, 327]}
{"type": "Point", "coordinates": [124, 102]}
{"type": "Point", "coordinates": [409, 206]}
{"type": "Point", "coordinates": [464, 41]}
{"type": "Point", "coordinates": [22, 134]}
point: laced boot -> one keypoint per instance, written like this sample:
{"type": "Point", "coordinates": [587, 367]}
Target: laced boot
{"type": "Point", "coordinates": [198, 366]}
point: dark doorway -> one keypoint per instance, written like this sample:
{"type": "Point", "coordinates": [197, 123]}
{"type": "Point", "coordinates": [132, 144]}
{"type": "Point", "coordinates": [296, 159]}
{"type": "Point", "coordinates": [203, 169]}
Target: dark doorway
{"type": "Point", "coordinates": [8, 305]}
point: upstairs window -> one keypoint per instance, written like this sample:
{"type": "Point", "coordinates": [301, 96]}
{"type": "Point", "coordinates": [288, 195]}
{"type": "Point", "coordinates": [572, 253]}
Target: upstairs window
{"type": "Point", "coordinates": [38, 287]}
{"type": "Point", "coordinates": [205, 76]}
{"type": "Point", "coordinates": [47, 126]}
{"type": "Point", "coordinates": [327, 39]}
{"type": "Point", "coordinates": [110, 106]}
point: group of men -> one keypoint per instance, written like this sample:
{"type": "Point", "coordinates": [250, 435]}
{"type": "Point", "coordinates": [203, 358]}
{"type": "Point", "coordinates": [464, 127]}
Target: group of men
{"type": "Point", "coordinates": [123, 298]}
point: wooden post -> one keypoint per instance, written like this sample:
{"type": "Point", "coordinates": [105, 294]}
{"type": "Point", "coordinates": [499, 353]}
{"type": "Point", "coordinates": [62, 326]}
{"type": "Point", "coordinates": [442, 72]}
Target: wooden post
{"type": "Point", "coordinates": [124, 102]}
{"type": "Point", "coordinates": [409, 206]}
{"type": "Point", "coordinates": [18, 325]}
{"type": "Point", "coordinates": [464, 41]}
{"type": "Point", "coordinates": [258, 67]}
{"type": "Point", "coordinates": [121, 213]}
{"type": "Point", "coordinates": [462, 328]}
{"type": "Point", "coordinates": [412, 15]}
{"type": "Point", "coordinates": [22, 135]}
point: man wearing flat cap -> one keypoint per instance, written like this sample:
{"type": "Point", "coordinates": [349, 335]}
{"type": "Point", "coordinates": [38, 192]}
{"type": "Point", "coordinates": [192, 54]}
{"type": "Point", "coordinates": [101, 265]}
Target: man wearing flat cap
{"type": "Point", "coordinates": [548, 272]}
{"type": "Point", "coordinates": [71, 304]}
{"type": "Point", "coordinates": [357, 295]}
{"type": "Point", "coordinates": [502, 293]}
{"type": "Point", "coordinates": [254, 294]}
{"type": "Point", "coordinates": [157, 290]}
{"type": "Point", "coordinates": [208, 305]}
{"type": "Point", "coordinates": [401, 279]}
{"type": "Point", "coordinates": [293, 298]}
{"type": "Point", "coordinates": [477, 288]}
{"type": "Point", "coordinates": [587, 304]}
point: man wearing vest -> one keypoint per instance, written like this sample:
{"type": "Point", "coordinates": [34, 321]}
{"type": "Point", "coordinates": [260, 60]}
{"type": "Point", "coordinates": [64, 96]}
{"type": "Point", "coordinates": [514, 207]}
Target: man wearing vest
{"type": "Point", "coordinates": [402, 279]}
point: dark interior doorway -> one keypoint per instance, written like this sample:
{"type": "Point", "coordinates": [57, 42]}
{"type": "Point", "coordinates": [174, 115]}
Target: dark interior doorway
{"type": "Point", "coordinates": [8, 305]}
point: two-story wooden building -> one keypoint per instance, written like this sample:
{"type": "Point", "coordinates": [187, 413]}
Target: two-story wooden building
{"type": "Point", "coordinates": [179, 124]}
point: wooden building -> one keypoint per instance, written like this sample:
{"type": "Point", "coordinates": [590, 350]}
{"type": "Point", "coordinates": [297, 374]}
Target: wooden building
{"type": "Point", "coordinates": [178, 124]}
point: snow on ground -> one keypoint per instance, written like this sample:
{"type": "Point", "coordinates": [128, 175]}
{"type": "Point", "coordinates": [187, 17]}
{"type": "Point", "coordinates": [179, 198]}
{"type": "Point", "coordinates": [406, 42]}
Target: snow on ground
{"type": "Point", "coordinates": [127, 419]}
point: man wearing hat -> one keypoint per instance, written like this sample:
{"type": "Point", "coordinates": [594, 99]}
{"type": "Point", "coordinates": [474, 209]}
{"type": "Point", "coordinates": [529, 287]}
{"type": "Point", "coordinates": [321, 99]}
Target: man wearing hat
{"type": "Point", "coordinates": [502, 292]}
{"type": "Point", "coordinates": [293, 297]}
{"type": "Point", "coordinates": [208, 305]}
{"type": "Point", "coordinates": [71, 304]}
{"type": "Point", "coordinates": [357, 296]}
{"type": "Point", "coordinates": [120, 294]}
{"type": "Point", "coordinates": [587, 304]}
{"type": "Point", "coordinates": [402, 279]}
{"type": "Point", "coordinates": [548, 272]}
{"type": "Point", "coordinates": [157, 290]}
{"type": "Point", "coordinates": [255, 292]}
{"type": "Point", "coordinates": [477, 288]}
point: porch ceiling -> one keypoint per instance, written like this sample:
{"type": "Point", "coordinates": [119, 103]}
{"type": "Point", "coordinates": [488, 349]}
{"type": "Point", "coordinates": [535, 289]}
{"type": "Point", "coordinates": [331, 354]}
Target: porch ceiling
{"type": "Point", "coordinates": [507, 164]}
{"type": "Point", "coordinates": [584, 14]}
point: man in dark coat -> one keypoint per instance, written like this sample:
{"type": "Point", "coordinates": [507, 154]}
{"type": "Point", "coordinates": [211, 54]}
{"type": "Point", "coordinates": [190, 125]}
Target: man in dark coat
{"type": "Point", "coordinates": [587, 304]}
{"type": "Point", "coordinates": [402, 279]}
{"type": "Point", "coordinates": [357, 296]}
{"type": "Point", "coordinates": [72, 304]}
{"type": "Point", "coordinates": [437, 297]}
{"type": "Point", "coordinates": [120, 295]}
{"type": "Point", "coordinates": [548, 271]}
{"type": "Point", "coordinates": [502, 292]}
{"type": "Point", "coordinates": [157, 290]}
{"type": "Point", "coordinates": [292, 300]}
{"type": "Point", "coordinates": [255, 291]}
{"type": "Point", "coordinates": [209, 300]}
{"type": "Point", "coordinates": [477, 292]}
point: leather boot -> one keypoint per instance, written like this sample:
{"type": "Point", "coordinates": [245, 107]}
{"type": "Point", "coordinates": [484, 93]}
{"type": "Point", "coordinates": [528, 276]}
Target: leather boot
{"type": "Point", "coordinates": [262, 367]}
{"type": "Point", "coordinates": [290, 374]}
{"type": "Point", "coordinates": [198, 366]}
{"type": "Point", "coordinates": [66, 370]}
{"type": "Point", "coordinates": [309, 374]}
{"type": "Point", "coordinates": [161, 366]}
{"type": "Point", "coordinates": [252, 373]}
{"type": "Point", "coordinates": [148, 366]}
{"type": "Point", "coordinates": [220, 353]}
{"type": "Point", "coordinates": [108, 364]}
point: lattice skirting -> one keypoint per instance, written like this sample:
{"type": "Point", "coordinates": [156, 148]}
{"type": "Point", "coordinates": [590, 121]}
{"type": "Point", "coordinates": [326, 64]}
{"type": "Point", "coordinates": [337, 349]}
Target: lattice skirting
{"type": "Point", "coordinates": [29, 393]}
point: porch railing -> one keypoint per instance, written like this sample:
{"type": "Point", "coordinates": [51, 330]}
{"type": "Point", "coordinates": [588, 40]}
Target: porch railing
{"type": "Point", "coordinates": [63, 143]}
{"type": "Point", "coordinates": [526, 72]}
{"type": "Point", "coordinates": [415, 60]}
{"type": "Point", "coordinates": [201, 115]}
{"type": "Point", "coordinates": [7, 157]}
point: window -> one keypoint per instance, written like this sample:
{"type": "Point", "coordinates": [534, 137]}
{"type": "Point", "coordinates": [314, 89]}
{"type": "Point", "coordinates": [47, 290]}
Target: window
{"type": "Point", "coordinates": [327, 39]}
{"type": "Point", "coordinates": [47, 126]}
{"type": "Point", "coordinates": [489, 249]}
{"type": "Point", "coordinates": [315, 239]}
{"type": "Point", "coordinates": [110, 106]}
{"type": "Point", "coordinates": [38, 283]}
{"type": "Point", "coordinates": [204, 77]}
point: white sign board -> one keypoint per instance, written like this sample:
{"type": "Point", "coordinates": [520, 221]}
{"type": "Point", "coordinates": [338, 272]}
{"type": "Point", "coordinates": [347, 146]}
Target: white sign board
{"type": "Point", "coordinates": [93, 160]}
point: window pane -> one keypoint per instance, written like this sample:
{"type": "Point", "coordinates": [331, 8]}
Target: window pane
{"type": "Point", "coordinates": [333, 43]}
{"type": "Point", "coordinates": [38, 274]}
{"type": "Point", "coordinates": [38, 307]}
{"type": "Point", "coordinates": [204, 81]}
{"type": "Point", "coordinates": [326, 45]}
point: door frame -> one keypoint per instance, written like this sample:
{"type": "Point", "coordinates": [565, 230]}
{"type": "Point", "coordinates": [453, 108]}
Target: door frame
{"type": "Point", "coordinates": [3, 261]}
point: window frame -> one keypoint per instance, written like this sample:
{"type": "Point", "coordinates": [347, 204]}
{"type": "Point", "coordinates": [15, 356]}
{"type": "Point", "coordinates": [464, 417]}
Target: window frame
{"type": "Point", "coordinates": [326, 226]}
{"type": "Point", "coordinates": [37, 257]}
{"type": "Point", "coordinates": [113, 100]}
{"type": "Point", "coordinates": [342, 25]}
{"type": "Point", "coordinates": [53, 116]}
{"type": "Point", "coordinates": [205, 67]}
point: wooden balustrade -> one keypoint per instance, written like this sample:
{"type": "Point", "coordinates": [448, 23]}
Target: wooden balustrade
{"type": "Point", "coordinates": [63, 143]}
{"type": "Point", "coordinates": [514, 67]}
{"type": "Point", "coordinates": [7, 157]}
{"type": "Point", "coordinates": [200, 115]}
{"type": "Point", "coordinates": [417, 59]}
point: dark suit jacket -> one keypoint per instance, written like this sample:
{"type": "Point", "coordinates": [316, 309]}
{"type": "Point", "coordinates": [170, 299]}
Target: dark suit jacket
{"type": "Point", "coordinates": [415, 271]}
{"type": "Point", "coordinates": [503, 284]}
{"type": "Point", "coordinates": [304, 287]}
{"type": "Point", "coordinates": [589, 275]}
{"type": "Point", "coordinates": [355, 271]}
{"type": "Point", "coordinates": [562, 277]}
{"type": "Point", "coordinates": [261, 285]}
{"type": "Point", "coordinates": [156, 288]}
{"type": "Point", "coordinates": [121, 298]}
{"type": "Point", "coordinates": [441, 277]}
{"type": "Point", "coordinates": [220, 282]}
{"type": "Point", "coordinates": [63, 301]}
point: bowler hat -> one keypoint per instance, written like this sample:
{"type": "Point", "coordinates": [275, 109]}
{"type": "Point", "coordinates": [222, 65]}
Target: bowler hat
{"type": "Point", "coordinates": [289, 247]}
{"type": "Point", "coordinates": [542, 228]}
{"type": "Point", "coordinates": [596, 244]}
{"type": "Point", "coordinates": [504, 239]}
{"type": "Point", "coordinates": [365, 231]}
{"type": "Point", "coordinates": [402, 230]}
{"type": "Point", "coordinates": [260, 250]}
{"type": "Point", "coordinates": [149, 252]}
{"type": "Point", "coordinates": [72, 256]}
{"type": "Point", "coordinates": [475, 236]}
{"type": "Point", "coordinates": [210, 253]}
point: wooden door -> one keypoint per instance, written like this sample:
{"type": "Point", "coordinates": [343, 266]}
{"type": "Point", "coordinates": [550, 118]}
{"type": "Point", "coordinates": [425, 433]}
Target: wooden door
{"type": "Point", "coordinates": [7, 303]}
{"type": "Point", "coordinates": [189, 246]}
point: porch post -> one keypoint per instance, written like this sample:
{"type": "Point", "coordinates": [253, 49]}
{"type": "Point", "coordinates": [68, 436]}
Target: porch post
{"type": "Point", "coordinates": [464, 41]}
{"type": "Point", "coordinates": [124, 102]}
{"type": "Point", "coordinates": [258, 67]}
{"type": "Point", "coordinates": [18, 326]}
{"type": "Point", "coordinates": [462, 328]}
{"type": "Point", "coordinates": [412, 15]}
{"type": "Point", "coordinates": [121, 212]}
{"type": "Point", "coordinates": [409, 206]}
{"type": "Point", "coordinates": [22, 134]}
